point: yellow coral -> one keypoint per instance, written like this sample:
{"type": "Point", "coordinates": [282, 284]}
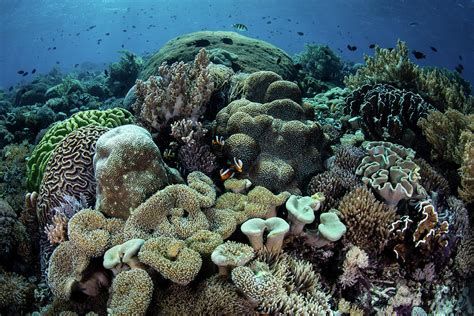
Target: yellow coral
{"type": "Point", "coordinates": [131, 293]}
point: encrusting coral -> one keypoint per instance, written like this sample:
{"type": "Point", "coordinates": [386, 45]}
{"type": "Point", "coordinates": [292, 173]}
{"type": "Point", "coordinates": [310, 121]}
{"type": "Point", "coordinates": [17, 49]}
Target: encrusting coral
{"type": "Point", "coordinates": [181, 91]}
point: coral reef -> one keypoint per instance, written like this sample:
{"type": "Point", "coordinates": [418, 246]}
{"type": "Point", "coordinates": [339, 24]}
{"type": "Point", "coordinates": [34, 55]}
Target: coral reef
{"type": "Point", "coordinates": [128, 169]}
{"type": "Point", "coordinates": [122, 75]}
{"type": "Point", "coordinates": [181, 91]}
{"type": "Point", "coordinates": [246, 54]}
{"type": "Point", "coordinates": [41, 154]}
{"type": "Point", "coordinates": [368, 220]}
{"type": "Point", "coordinates": [386, 113]}
{"type": "Point", "coordinates": [283, 163]}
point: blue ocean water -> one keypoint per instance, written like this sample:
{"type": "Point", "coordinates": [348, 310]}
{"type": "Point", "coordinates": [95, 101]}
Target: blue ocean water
{"type": "Point", "coordinates": [43, 34]}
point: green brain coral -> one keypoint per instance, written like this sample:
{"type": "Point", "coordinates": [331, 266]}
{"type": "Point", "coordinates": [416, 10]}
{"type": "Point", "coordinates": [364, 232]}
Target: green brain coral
{"type": "Point", "coordinates": [56, 133]}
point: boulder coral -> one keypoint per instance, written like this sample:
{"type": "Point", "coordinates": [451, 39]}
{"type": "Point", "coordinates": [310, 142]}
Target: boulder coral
{"type": "Point", "coordinates": [241, 53]}
{"type": "Point", "coordinates": [128, 169]}
{"type": "Point", "coordinates": [278, 146]}
{"type": "Point", "coordinates": [40, 156]}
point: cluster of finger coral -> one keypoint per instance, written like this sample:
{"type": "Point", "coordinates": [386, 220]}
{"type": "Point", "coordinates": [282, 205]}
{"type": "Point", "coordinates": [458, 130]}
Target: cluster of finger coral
{"type": "Point", "coordinates": [181, 91]}
{"type": "Point", "coordinates": [278, 146]}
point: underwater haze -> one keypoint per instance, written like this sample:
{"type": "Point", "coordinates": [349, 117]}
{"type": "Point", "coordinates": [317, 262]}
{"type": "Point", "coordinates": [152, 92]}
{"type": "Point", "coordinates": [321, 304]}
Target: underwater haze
{"type": "Point", "coordinates": [236, 157]}
{"type": "Point", "coordinates": [43, 34]}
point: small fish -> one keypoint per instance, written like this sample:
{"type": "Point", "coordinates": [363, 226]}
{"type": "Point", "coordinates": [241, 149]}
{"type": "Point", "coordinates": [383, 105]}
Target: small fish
{"type": "Point", "coordinates": [91, 27]}
{"type": "Point", "coordinates": [124, 31]}
{"type": "Point", "coordinates": [133, 26]}
{"type": "Point", "coordinates": [33, 71]}
{"type": "Point", "coordinates": [460, 57]}
{"type": "Point", "coordinates": [10, 89]}
{"type": "Point", "coordinates": [351, 48]}
{"type": "Point", "coordinates": [107, 34]}
{"type": "Point", "coordinates": [278, 61]}
{"type": "Point", "coordinates": [372, 46]}
{"type": "Point", "coordinates": [269, 22]}
{"type": "Point", "coordinates": [123, 45]}
{"type": "Point", "coordinates": [106, 72]}
{"type": "Point", "coordinates": [461, 66]}
{"type": "Point", "coordinates": [300, 33]}
{"type": "Point", "coordinates": [57, 62]}
{"type": "Point", "coordinates": [418, 55]}
{"type": "Point", "coordinates": [54, 48]}
{"type": "Point", "coordinates": [434, 49]}
{"type": "Point", "coordinates": [413, 24]}
{"type": "Point", "coordinates": [240, 27]}
{"type": "Point", "coordinates": [76, 65]}
{"type": "Point", "coordinates": [77, 34]}
{"type": "Point", "coordinates": [298, 66]}
{"type": "Point", "coordinates": [25, 73]}
{"type": "Point", "coordinates": [20, 72]}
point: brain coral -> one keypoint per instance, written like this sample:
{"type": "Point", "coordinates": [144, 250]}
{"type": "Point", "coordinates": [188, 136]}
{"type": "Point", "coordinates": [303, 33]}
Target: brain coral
{"type": "Point", "coordinates": [248, 54]}
{"type": "Point", "coordinates": [278, 146]}
{"type": "Point", "coordinates": [387, 113]}
{"type": "Point", "coordinates": [69, 173]}
{"type": "Point", "coordinates": [39, 158]}
{"type": "Point", "coordinates": [128, 169]}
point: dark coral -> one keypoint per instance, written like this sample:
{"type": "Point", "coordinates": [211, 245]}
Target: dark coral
{"type": "Point", "coordinates": [387, 113]}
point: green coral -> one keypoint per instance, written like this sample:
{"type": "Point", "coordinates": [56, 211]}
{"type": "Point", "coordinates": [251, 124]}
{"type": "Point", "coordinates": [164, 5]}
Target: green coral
{"type": "Point", "coordinates": [122, 75]}
{"type": "Point", "coordinates": [57, 132]}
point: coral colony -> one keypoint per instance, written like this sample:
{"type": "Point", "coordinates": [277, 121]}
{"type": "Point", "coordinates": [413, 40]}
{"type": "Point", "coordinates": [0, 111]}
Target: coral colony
{"type": "Point", "coordinates": [223, 177]}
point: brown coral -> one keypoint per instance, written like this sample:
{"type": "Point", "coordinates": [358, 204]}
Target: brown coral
{"type": "Point", "coordinates": [466, 189]}
{"type": "Point", "coordinates": [367, 220]}
{"type": "Point", "coordinates": [181, 91]}
{"type": "Point", "coordinates": [131, 293]}
{"type": "Point", "coordinates": [171, 258]}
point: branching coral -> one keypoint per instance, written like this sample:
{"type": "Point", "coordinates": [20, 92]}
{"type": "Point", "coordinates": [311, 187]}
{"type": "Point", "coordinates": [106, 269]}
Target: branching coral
{"type": "Point", "coordinates": [123, 74]}
{"type": "Point", "coordinates": [354, 264]}
{"type": "Point", "coordinates": [390, 170]}
{"type": "Point", "coordinates": [386, 113]}
{"type": "Point", "coordinates": [320, 62]}
{"type": "Point", "coordinates": [367, 220]}
{"type": "Point", "coordinates": [181, 91]}
{"type": "Point", "coordinates": [443, 131]}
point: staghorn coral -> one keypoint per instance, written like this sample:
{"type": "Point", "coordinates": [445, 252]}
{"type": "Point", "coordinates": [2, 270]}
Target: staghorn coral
{"type": "Point", "coordinates": [93, 234]}
{"type": "Point", "coordinates": [131, 293]}
{"type": "Point", "coordinates": [278, 146]}
{"type": "Point", "coordinates": [175, 211]}
{"type": "Point", "coordinates": [387, 113]}
{"type": "Point", "coordinates": [389, 169]}
{"type": "Point", "coordinates": [367, 220]}
{"type": "Point", "coordinates": [128, 169]}
{"type": "Point", "coordinates": [171, 258]}
{"type": "Point", "coordinates": [56, 133]}
{"type": "Point", "coordinates": [181, 91]}
{"type": "Point", "coordinates": [443, 131]}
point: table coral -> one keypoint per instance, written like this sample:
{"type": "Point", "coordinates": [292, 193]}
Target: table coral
{"type": "Point", "coordinates": [278, 146]}
{"type": "Point", "coordinates": [128, 169]}
{"type": "Point", "coordinates": [56, 133]}
{"type": "Point", "coordinates": [181, 91]}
